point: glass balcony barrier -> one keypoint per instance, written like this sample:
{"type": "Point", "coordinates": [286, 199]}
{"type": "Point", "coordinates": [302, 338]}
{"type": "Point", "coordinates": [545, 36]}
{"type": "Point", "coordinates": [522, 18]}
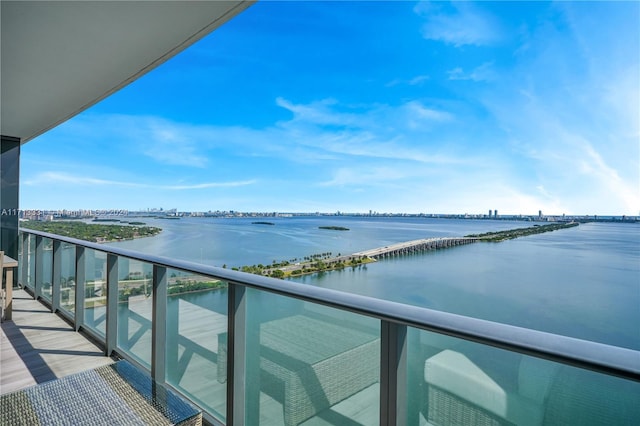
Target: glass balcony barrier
{"type": "Point", "coordinates": [252, 350]}
{"type": "Point", "coordinates": [196, 311]}
{"type": "Point", "coordinates": [44, 269]}
{"type": "Point", "coordinates": [455, 381]}
{"type": "Point", "coordinates": [94, 300]}
{"type": "Point", "coordinates": [64, 275]}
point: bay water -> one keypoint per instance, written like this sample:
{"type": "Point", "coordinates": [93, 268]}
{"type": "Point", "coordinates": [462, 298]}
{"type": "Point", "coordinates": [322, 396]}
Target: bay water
{"type": "Point", "coordinates": [581, 282]}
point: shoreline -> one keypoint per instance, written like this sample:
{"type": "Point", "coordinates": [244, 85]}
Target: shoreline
{"type": "Point", "coordinates": [327, 262]}
{"type": "Point", "coordinates": [92, 232]}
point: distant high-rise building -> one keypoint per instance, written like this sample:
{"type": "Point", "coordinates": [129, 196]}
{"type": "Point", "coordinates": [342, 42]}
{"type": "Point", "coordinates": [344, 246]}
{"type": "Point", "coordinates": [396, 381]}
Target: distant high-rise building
{"type": "Point", "coordinates": [495, 213]}
{"type": "Point", "coordinates": [540, 214]}
{"type": "Point", "coordinates": [490, 211]}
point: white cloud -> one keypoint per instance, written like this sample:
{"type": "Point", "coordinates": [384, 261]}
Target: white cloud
{"type": "Point", "coordinates": [320, 113]}
{"type": "Point", "coordinates": [319, 132]}
{"type": "Point", "coordinates": [484, 72]}
{"type": "Point", "coordinates": [358, 176]}
{"type": "Point", "coordinates": [571, 114]}
{"type": "Point", "coordinates": [318, 147]}
{"type": "Point", "coordinates": [418, 113]}
{"type": "Point", "coordinates": [50, 178]}
{"type": "Point", "coordinates": [415, 81]}
{"type": "Point", "coordinates": [418, 80]}
{"type": "Point", "coordinates": [464, 24]}
{"type": "Point", "coordinates": [170, 145]}
{"type": "Point", "coordinates": [392, 157]}
{"type": "Point", "coordinates": [594, 164]}
{"type": "Point", "coordinates": [568, 149]}
{"type": "Point", "coordinates": [376, 131]}
{"type": "Point", "coordinates": [209, 185]}
{"type": "Point", "coordinates": [164, 141]}
{"type": "Point", "coordinates": [61, 177]}
{"type": "Point", "coordinates": [542, 190]}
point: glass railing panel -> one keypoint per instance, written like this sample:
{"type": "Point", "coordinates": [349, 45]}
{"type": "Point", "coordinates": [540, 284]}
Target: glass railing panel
{"type": "Point", "coordinates": [577, 396]}
{"type": "Point", "coordinates": [306, 361]}
{"type": "Point", "coordinates": [68, 277]}
{"type": "Point", "coordinates": [44, 280]}
{"type": "Point", "coordinates": [95, 291]}
{"type": "Point", "coordinates": [30, 262]}
{"type": "Point", "coordinates": [21, 245]}
{"type": "Point", "coordinates": [196, 332]}
{"type": "Point", "coordinates": [135, 289]}
{"type": "Point", "coordinates": [452, 381]}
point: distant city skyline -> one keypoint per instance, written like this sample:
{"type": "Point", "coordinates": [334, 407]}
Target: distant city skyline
{"type": "Point", "coordinates": [355, 106]}
{"type": "Point", "coordinates": [54, 214]}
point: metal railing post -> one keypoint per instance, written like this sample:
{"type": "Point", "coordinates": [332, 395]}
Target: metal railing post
{"type": "Point", "coordinates": [39, 272]}
{"type": "Point", "coordinates": [393, 374]}
{"type": "Point", "coordinates": [80, 287]}
{"type": "Point", "coordinates": [159, 324]}
{"type": "Point", "coordinates": [112, 304]}
{"type": "Point", "coordinates": [241, 408]}
{"type": "Point", "coordinates": [24, 264]}
{"type": "Point", "coordinates": [172, 354]}
{"type": "Point", "coordinates": [56, 268]}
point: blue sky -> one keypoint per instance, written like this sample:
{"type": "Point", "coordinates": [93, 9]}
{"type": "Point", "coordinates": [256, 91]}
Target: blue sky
{"type": "Point", "coordinates": [431, 107]}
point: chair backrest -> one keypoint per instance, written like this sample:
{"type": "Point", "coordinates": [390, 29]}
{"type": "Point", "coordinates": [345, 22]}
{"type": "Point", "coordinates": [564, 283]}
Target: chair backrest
{"type": "Point", "coordinates": [581, 397]}
{"type": "Point", "coordinates": [535, 377]}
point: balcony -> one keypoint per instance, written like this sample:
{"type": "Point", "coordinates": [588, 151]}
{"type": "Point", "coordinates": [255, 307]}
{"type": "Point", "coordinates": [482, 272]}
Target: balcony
{"type": "Point", "coordinates": [252, 350]}
{"type": "Point", "coordinates": [248, 349]}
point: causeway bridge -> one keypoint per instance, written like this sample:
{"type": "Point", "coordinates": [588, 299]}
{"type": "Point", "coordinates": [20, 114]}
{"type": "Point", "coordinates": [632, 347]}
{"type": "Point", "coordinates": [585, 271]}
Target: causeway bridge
{"type": "Point", "coordinates": [415, 246]}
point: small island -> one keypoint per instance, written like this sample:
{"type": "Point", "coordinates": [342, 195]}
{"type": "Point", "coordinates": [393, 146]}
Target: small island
{"type": "Point", "coordinates": [312, 264]}
{"type": "Point", "coordinates": [334, 228]}
{"type": "Point", "coordinates": [92, 232]}
{"type": "Point", "coordinates": [498, 236]}
{"type": "Point", "coordinates": [262, 223]}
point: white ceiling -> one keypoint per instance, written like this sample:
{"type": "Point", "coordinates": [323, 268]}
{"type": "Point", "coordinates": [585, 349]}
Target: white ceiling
{"type": "Point", "coordinates": [60, 57]}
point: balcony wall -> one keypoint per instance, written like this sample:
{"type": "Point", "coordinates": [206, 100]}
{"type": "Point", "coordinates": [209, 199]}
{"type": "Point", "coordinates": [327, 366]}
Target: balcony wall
{"type": "Point", "coordinates": [254, 350]}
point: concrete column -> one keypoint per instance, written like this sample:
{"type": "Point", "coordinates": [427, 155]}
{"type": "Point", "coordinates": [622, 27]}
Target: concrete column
{"type": "Point", "coordinates": [9, 188]}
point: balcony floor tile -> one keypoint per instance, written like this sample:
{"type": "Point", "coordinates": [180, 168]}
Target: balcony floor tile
{"type": "Point", "coordinates": [37, 346]}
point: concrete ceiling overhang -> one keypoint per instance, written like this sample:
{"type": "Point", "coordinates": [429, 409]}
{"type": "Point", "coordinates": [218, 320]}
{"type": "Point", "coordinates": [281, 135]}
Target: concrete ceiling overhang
{"type": "Point", "coordinates": [58, 58]}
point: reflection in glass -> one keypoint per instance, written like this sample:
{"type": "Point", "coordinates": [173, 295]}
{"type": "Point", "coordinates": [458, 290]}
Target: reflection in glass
{"type": "Point", "coordinates": [196, 323]}
{"type": "Point", "coordinates": [452, 381]}
{"type": "Point", "coordinates": [314, 362]}
{"type": "Point", "coordinates": [31, 262]}
{"type": "Point", "coordinates": [44, 281]}
{"type": "Point", "coordinates": [95, 291]}
{"type": "Point", "coordinates": [134, 308]}
{"type": "Point", "coordinates": [67, 277]}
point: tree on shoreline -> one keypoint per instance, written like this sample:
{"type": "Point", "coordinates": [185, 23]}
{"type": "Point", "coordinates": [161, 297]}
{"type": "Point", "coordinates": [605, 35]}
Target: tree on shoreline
{"type": "Point", "coordinates": [97, 233]}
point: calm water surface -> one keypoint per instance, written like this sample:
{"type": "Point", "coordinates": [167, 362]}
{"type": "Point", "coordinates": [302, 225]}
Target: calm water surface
{"type": "Point", "coordinates": [582, 282]}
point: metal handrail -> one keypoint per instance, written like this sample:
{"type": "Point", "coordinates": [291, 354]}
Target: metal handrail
{"type": "Point", "coordinates": [599, 357]}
